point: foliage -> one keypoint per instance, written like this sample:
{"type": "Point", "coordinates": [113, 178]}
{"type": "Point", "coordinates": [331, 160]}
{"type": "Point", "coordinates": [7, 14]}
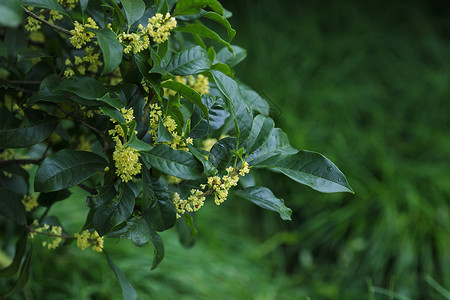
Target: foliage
{"type": "Point", "coordinates": [131, 102]}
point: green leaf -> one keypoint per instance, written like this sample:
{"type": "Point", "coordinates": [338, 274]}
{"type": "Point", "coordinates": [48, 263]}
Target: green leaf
{"type": "Point", "coordinates": [111, 48]}
{"type": "Point", "coordinates": [222, 152]}
{"type": "Point", "coordinates": [47, 199]}
{"type": "Point", "coordinates": [312, 169]}
{"type": "Point", "coordinates": [240, 110]}
{"type": "Point", "coordinates": [85, 87]}
{"type": "Point", "coordinates": [204, 32]}
{"type": "Point", "coordinates": [277, 144]}
{"type": "Point", "coordinates": [114, 211]}
{"type": "Point", "coordinates": [261, 129]}
{"type": "Point", "coordinates": [138, 231]}
{"type": "Point", "coordinates": [134, 10]}
{"type": "Point", "coordinates": [157, 204]}
{"type": "Point", "coordinates": [67, 168]}
{"type": "Point", "coordinates": [256, 102]}
{"type": "Point", "coordinates": [112, 113]}
{"type": "Point", "coordinates": [200, 126]}
{"type": "Point", "coordinates": [189, 61]}
{"type": "Point", "coordinates": [163, 134]}
{"type": "Point", "coordinates": [127, 289]}
{"type": "Point", "coordinates": [11, 13]}
{"type": "Point", "coordinates": [15, 39]}
{"type": "Point", "coordinates": [119, 14]}
{"type": "Point", "coordinates": [177, 163]}
{"type": "Point", "coordinates": [27, 54]}
{"type": "Point", "coordinates": [137, 144]}
{"type": "Point", "coordinates": [208, 167]}
{"type": "Point", "coordinates": [28, 136]}
{"type": "Point", "coordinates": [190, 223]}
{"type": "Point", "coordinates": [263, 197]}
{"type": "Point", "coordinates": [112, 101]}
{"type": "Point", "coordinates": [23, 276]}
{"type": "Point", "coordinates": [13, 268]}
{"type": "Point", "coordinates": [188, 93]}
{"type": "Point", "coordinates": [50, 4]}
{"type": "Point", "coordinates": [192, 7]}
{"type": "Point", "coordinates": [223, 21]}
{"type": "Point", "coordinates": [47, 95]}
{"type": "Point", "coordinates": [158, 247]}
{"type": "Point", "coordinates": [229, 58]}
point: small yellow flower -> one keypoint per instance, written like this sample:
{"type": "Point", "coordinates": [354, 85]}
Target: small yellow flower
{"type": "Point", "coordinates": [30, 202]}
{"type": "Point", "coordinates": [159, 27]}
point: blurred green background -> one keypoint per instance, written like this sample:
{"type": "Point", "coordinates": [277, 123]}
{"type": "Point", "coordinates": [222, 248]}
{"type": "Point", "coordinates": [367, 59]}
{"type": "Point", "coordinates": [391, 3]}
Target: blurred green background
{"type": "Point", "coordinates": [366, 83]}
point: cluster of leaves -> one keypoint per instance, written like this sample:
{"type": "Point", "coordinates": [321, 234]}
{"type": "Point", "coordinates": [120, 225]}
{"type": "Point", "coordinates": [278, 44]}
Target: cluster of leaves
{"type": "Point", "coordinates": [47, 116]}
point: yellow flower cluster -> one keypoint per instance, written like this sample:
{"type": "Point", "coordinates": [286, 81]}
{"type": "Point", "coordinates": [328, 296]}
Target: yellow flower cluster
{"type": "Point", "coordinates": [80, 36]}
{"type": "Point", "coordinates": [87, 239]}
{"type": "Point", "coordinates": [54, 232]}
{"type": "Point", "coordinates": [126, 158]}
{"type": "Point", "coordinates": [178, 141]}
{"type": "Point", "coordinates": [33, 24]}
{"type": "Point", "coordinates": [193, 203]}
{"type": "Point", "coordinates": [30, 202]}
{"type": "Point", "coordinates": [159, 27]}
{"type": "Point", "coordinates": [200, 84]}
{"type": "Point", "coordinates": [54, 16]}
{"type": "Point", "coordinates": [136, 41]}
{"type": "Point", "coordinates": [68, 3]}
{"type": "Point", "coordinates": [7, 154]}
{"type": "Point", "coordinates": [83, 144]}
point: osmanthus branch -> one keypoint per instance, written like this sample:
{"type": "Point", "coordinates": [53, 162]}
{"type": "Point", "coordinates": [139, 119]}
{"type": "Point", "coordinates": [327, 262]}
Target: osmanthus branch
{"type": "Point", "coordinates": [30, 230]}
{"type": "Point", "coordinates": [31, 14]}
{"type": "Point", "coordinates": [88, 189]}
{"type": "Point", "coordinates": [69, 114]}
{"type": "Point", "coordinates": [25, 161]}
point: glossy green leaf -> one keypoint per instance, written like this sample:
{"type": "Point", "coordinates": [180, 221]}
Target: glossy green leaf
{"type": "Point", "coordinates": [11, 206]}
{"type": "Point", "coordinates": [157, 204]}
{"type": "Point", "coordinates": [204, 32]}
{"type": "Point", "coordinates": [256, 102]}
{"type": "Point", "coordinates": [222, 152]}
{"type": "Point", "coordinates": [200, 126]}
{"type": "Point", "coordinates": [158, 249]}
{"type": "Point", "coordinates": [47, 95]}
{"type": "Point", "coordinates": [312, 169]}
{"type": "Point", "coordinates": [223, 21]}
{"type": "Point", "coordinates": [13, 268]}
{"type": "Point", "coordinates": [240, 110]}
{"type": "Point", "coordinates": [261, 129]}
{"type": "Point", "coordinates": [134, 10]}
{"type": "Point", "coordinates": [192, 7]}
{"type": "Point", "coordinates": [119, 14]}
{"type": "Point", "coordinates": [111, 48]}
{"type": "Point", "coordinates": [187, 93]}
{"type": "Point", "coordinates": [15, 39]}
{"type": "Point", "coordinates": [163, 134]}
{"type": "Point", "coordinates": [263, 197]}
{"type": "Point", "coordinates": [208, 168]}
{"type": "Point", "coordinates": [47, 199]}
{"type": "Point", "coordinates": [28, 136]}
{"type": "Point", "coordinates": [27, 54]}
{"type": "Point", "coordinates": [277, 144]}
{"type": "Point", "coordinates": [23, 276]}
{"type": "Point", "coordinates": [127, 289]}
{"type": "Point", "coordinates": [114, 211]}
{"type": "Point", "coordinates": [67, 168]}
{"type": "Point", "coordinates": [138, 144]}
{"type": "Point", "coordinates": [138, 231]}
{"type": "Point", "coordinates": [231, 59]}
{"type": "Point", "coordinates": [177, 163]}
{"type": "Point", "coordinates": [50, 4]}
{"type": "Point", "coordinates": [112, 113]}
{"type": "Point", "coordinates": [85, 87]}
{"type": "Point", "coordinates": [11, 12]}
{"type": "Point", "coordinates": [189, 61]}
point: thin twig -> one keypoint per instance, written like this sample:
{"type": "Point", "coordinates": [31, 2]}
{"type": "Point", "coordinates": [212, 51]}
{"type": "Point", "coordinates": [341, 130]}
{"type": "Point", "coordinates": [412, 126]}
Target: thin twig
{"type": "Point", "coordinates": [50, 234]}
{"type": "Point", "coordinates": [79, 121]}
{"type": "Point", "coordinates": [31, 14]}
{"type": "Point", "coordinates": [88, 189]}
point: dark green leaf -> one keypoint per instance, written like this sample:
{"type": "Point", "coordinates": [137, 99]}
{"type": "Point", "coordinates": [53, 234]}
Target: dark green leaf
{"type": "Point", "coordinates": [11, 13]}
{"type": "Point", "coordinates": [192, 7]}
{"type": "Point", "coordinates": [119, 14]}
{"type": "Point", "coordinates": [137, 144]}
{"type": "Point", "coordinates": [312, 169]}
{"type": "Point", "coordinates": [187, 93]}
{"type": "Point", "coordinates": [263, 197]}
{"type": "Point", "coordinates": [158, 247]}
{"type": "Point", "coordinates": [138, 231]}
{"type": "Point", "coordinates": [114, 211]}
{"type": "Point", "coordinates": [28, 136]}
{"type": "Point", "coordinates": [26, 54]}
{"type": "Point", "coordinates": [225, 56]}
{"type": "Point", "coordinates": [240, 110]}
{"type": "Point", "coordinates": [50, 4]}
{"type": "Point", "coordinates": [163, 134]}
{"type": "Point", "coordinates": [127, 289]}
{"type": "Point", "coordinates": [256, 102]}
{"type": "Point", "coordinates": [13, 268]}
{"type": "Point", "coordinates": [189, 61]}
{"type": "Point", "coordinates": [112, 113]}
{"type": "Point", "coordinates": [223, 21]}
{"type": "Point", "coordinates": [46, 95]}
{"type": "Point", "coordinates": [112, 101]}
{"type": "Point", "coordinates": [157, 204]}
{"type": "Point", "coordinates": [105, 193]}
{"type": "Point", "coordinates": [111, 48]}
{"type": "Point", "coordinates": [190, 223]}
{"type": "Point", "coordinates": [23, 276]}
{"type": "Point", "coordinates": [208, 168]}
{"type": "Point", "coordinates": [200, 126]}
{"type": "Point", "coordinates": [261, 129]}
{"type": "Point", "coordinates": [204, 32]}
{"type": "Point", "coordinates": [15, 40]}
{"type": "Point", "coordinates": [134, 9]}
{"type": "Point", "coordinates": [85, 87]}
{"type": "Point", "coordinates": [67, 168]}
{"type": "Point", "coordinates": [47, 199]}
{"type": "Point", "coordinates": [177, 163]}
{"type": "Point", "coordinates": [222, 152]}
